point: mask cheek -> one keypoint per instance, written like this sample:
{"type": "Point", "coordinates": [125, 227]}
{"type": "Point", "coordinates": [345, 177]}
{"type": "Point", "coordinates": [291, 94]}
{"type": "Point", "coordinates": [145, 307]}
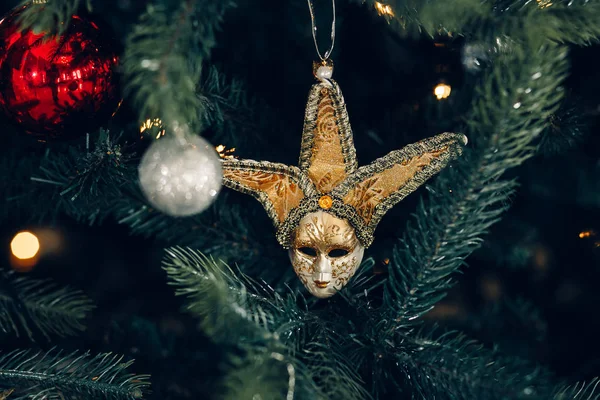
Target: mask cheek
{"type": "Point", "coordinates": [343, 269]}
{"type": "Point", "coordinates": [302, 266]}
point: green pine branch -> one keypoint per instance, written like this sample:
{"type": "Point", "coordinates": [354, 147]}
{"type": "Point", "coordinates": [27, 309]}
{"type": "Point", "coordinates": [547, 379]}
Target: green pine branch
{"type": "Point", "coordinates": [579, 391]}
{"type": "Point", "coordinates": [567, 129]}
{"type": "Point", "coordinates": [22, 200]}
{"type": "Point", "coordinates": [93, 183]}
{"type": "Point", "coordinates": [225, 105]}
{"type": "Point", "coordinates": [280, 355]}
{"type": "Point", "coordinates": [88, 179]}
{"type": "Point", "coordinates": [508, 321]}
{"type": "Point", "coordinates": [562, 21]}
{"type": "Point", "coordinates": [30, 306]}
{"type": "Point", "coordinates": [56, 375]}
{"type": "Point", "coordinates": [431, 17]}
{"type": "Point", "coordinates": [337, 376]}
{"type": "Point", "coordinates": [218, 297]}
{"type": "Point", "coordinates": [230, 314]}
{"type": "Point", "coordinates": [572, 21]}
{"type": "Point", "coordinates": [452, 366]}
{"type": "Point", "coordinates": [50, 16]}
{"type": "Point", "coordinates": [511, 109]}
{"type": "Point", "coordinates": [163, 59]}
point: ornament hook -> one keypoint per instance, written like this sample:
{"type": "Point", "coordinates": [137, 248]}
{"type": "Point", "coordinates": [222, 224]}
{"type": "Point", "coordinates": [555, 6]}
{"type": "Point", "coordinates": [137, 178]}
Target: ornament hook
{"type": "Point", "coordinates": [325, 57]}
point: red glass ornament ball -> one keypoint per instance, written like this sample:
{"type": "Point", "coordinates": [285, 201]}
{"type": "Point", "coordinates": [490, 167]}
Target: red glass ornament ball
{"type": "Point", "coordinates": [57, 87]}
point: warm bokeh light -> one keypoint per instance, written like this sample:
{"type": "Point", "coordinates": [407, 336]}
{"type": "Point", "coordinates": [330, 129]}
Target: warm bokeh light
{"type": "Point", "coordinates": [544, 3]}
{"type": "Point", "coordinates": [586, 234]}
{"type": "Point", "coordinates": [384, 9]}
{"type": "Point", "coordinates": [151, 123]}
{"type": "Point", "coordinates": [442, 91]}
{"type": "Point", "coordinates": [224, 152]}
{"type": "Point", "coordinates": [25, 245]}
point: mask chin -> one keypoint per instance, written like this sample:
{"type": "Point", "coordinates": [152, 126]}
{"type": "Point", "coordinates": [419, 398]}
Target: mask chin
{"type": "Point", "coordinates": [321, 293]}
{"type": "Point", "coordinates": [325, 253]}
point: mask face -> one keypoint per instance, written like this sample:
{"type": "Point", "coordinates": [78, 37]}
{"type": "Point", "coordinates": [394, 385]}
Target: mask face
{"type": "Point", "coordinates": [325, 253]}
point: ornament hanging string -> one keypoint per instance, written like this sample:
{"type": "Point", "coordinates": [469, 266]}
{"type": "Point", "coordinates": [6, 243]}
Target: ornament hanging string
{"type": "Point", "coordinates": [325, 57]}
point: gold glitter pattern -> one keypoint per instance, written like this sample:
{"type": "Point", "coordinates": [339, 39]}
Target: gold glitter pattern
{"type": "Point", "coordinates": [326, 233]}
{"type": "Point", "coordinates": [370, 193]}
{"type": "Point", "coordinates": [276, 186]}
{"type": "Point", "coordinates": [327, 167]}
{"type": "Point", "coordinates": [282, 192]}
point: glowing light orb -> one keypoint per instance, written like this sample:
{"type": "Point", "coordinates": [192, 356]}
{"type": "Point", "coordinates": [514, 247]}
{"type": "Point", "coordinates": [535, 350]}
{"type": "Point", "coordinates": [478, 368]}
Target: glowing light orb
{"type": "Point", "coordinates": [442, 91]}
{"type": "Point", "coordinates": [25, 245]}
{"type": "Point", "coordinates": [384, 9]}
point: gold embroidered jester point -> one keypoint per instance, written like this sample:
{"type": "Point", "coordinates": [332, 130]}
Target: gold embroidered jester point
{"type": "Point", "coordinates": [328, 177]}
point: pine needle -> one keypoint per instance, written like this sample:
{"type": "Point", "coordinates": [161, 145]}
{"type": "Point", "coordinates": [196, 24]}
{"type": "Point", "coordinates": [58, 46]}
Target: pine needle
{"type": "Point", "coordinates": [54, 375]}
{"type": "Point", "coordinates": [29, 306]}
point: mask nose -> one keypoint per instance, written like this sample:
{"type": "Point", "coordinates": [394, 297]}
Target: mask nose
{"type": "Point", "coordinates": [322, 272]}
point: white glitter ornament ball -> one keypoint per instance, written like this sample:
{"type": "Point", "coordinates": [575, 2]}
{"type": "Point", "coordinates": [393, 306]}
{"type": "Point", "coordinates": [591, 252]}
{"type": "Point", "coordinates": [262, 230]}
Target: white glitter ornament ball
{"type": "Point", "coordinates": [181, 177]}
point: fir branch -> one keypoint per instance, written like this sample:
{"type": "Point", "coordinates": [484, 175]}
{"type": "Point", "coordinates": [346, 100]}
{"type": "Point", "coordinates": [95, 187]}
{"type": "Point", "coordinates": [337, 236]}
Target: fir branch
{"type": "Point", "coordinates": [91, 184]}
{"type": "Point", "coordinates": [579, 391]}
{"type": "Point", "coordinates": [163, 59]}
{"type": "Point", "coordinates": [231, 315]}
{"type": "Point", "coordinates": [233, 117]}
{"type": "Point", "coordinates": [267, 327]}
{"type": "Point", "coordinates": [510, 316]}
{"type": "Point", "coordinates": [431, 17]}
{"type": "Point", "coordinates": [226, 231]}
{"type": "Point", "coordinates": [337, 376]}
{"type": "Point", "coordinates": [54, 375]}
{"type": "Point", "coordinates": [51, 17]}
{"type": "Point", "coordinates": [22, 200]}
{"type": "Point", "coordinates": [565, 131]}
{"type": "Point", "coordinates": [88, 179]}
{"type": "Point", "coordinates": [221, 301]}
{"type": "Point", "coordinates": [451, 366]}
{"type": "Point", "coordinates": [572, 21]}
{"type": "Point", "coordinates": [562, 21]}
{"type": "Point", "coordinates": [28, 305]}
{"type": "Point", "coordinates": [511, 110]}
{"type": "Point", "coordinates": [263, 373]}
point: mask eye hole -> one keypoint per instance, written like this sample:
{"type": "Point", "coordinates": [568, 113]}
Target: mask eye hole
{"type": "Point", "coordinates": [308, 251]}
{"type": "Point", "coordinates": [336, 253]}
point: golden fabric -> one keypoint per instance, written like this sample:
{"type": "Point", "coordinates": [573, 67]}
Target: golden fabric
{"type": "Point", "coordinates": [367, 195]}
{"type": "Point", "coordinates": [327, 168]}
{"type": "Point", "coordinates": [283, 193]}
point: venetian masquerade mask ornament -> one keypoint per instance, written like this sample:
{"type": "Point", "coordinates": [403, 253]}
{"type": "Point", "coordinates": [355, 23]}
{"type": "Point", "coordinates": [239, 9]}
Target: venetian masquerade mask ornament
{"type": "Point", "coordinates": [326, 210]}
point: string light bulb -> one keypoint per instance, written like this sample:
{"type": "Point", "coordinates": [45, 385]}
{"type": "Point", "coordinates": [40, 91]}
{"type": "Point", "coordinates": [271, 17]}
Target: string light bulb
{"type": "Point", "coordinates": [25, 245]}
{"type": "Point", "coordinates": [384, 9]}
{"type": "Point", "coordinates": [586, 234]}
{"type": "Point", "coordinates": [544, 3]}
{"type": "Point", "coordinates": [442, 91]}
{"type": "Point", "coordinates": [224, 152]}
{"type": "Point", "coordinates": [151, 123]}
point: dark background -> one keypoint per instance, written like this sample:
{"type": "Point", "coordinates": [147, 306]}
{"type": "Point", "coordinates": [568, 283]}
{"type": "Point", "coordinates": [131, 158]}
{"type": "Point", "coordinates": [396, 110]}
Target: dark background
{"type": "Point", "coordinates": [534, 253]}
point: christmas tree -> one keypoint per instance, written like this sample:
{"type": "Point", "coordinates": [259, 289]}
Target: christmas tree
{"type": "Point", "coordinates": [128, 271]}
